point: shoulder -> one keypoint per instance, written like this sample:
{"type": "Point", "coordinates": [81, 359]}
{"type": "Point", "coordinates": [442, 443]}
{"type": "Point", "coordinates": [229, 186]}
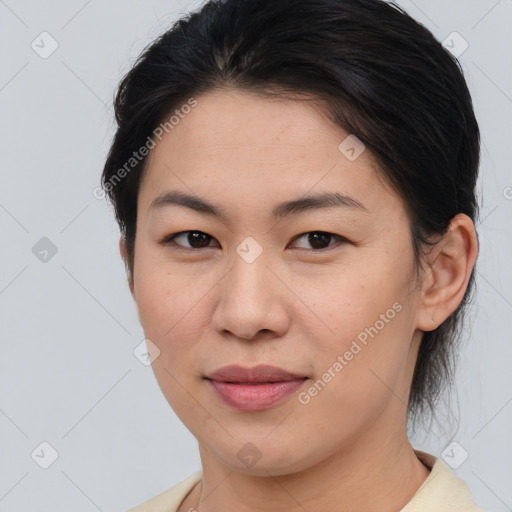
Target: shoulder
{"type": "Point", "coordinates": [442, 491]}
{"type": "Point", "coordinates": [169, 500]}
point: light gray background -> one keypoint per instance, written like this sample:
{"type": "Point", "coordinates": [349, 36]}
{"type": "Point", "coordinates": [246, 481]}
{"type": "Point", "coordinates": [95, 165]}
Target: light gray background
{"type": "Point", "coordinates": [68, 375]}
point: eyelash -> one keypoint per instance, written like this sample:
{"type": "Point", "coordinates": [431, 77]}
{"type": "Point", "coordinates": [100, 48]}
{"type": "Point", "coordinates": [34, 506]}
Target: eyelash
{"type": "Point", "coordinates": [169, 240]}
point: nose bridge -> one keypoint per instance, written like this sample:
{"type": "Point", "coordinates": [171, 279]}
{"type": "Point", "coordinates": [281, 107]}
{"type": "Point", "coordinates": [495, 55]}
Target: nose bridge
{"type": "Point", "coordinates": [249, 274]}
{"type": "Point", "coordinates": [249, 299]}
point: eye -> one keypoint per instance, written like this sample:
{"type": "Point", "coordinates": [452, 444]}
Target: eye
{"type": "Point", "coordinates": [319, 239]}
{"type": "Point", "coordinates": [196, 239]}
{"type": "Point", "coordinates": [200, 240]}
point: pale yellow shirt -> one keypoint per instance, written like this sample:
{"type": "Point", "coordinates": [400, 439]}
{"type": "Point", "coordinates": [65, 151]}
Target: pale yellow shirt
{"type": "Point", "coordinates": [442, 491]}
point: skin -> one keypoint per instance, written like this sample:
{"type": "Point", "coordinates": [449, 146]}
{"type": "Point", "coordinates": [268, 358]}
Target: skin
{"type": "Point", "coordinates": [347, 449]}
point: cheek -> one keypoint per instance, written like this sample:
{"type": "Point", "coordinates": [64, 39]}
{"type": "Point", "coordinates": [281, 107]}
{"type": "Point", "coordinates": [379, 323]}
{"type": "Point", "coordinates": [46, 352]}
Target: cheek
{"type": "Point", "coordinates": [161, 299]}
{"type": "Point", "coordinates": [172, 311]}
{"type": "Point", "coordinates": [350, 299]}
{"type": "Point", "coordinates": [365, 334]}
{"type": "Point", "coordinates": [356, 381]}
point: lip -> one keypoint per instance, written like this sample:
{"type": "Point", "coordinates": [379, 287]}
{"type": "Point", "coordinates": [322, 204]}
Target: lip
{"type": "Point", "coordinates": [254, 389]}
{"type": "Point", "coordinates": [262, 373]}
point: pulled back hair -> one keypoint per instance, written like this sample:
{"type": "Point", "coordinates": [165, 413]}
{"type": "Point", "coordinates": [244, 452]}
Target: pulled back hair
{"type": "Point", "coordinates": [382, 76]}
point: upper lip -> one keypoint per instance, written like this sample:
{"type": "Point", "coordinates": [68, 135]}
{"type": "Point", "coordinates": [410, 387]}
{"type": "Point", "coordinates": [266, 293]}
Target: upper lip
{"type": "Point", "coordinates": [260, 373]}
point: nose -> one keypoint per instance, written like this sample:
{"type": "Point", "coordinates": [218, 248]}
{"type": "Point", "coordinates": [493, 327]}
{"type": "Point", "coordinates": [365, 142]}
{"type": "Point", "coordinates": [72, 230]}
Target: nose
{"type": "Point", "coordinates": [252, 299]}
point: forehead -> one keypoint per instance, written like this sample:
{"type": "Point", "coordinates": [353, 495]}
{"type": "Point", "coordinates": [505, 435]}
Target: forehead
{"type": "Point", "coordinates": [239, 145]}
{"type": "Point", "coordinates": [234, 119]}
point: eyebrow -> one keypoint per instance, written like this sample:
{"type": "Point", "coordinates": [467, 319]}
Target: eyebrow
{"type": "Point", "coordinates": [293, 207]}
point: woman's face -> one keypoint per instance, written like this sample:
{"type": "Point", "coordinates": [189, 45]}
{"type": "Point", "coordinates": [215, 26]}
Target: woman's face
{"type": "Point", "coordinates": [338, 307]}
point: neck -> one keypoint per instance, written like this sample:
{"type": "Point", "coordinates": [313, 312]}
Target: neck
{"type": "Point", "coordinates": [366, 476]}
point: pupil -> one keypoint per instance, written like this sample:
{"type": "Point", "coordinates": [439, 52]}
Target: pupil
{"type": "Point", "coordinates": [313, 239]}
{"type": "Point", "coordinates": [195, 236]}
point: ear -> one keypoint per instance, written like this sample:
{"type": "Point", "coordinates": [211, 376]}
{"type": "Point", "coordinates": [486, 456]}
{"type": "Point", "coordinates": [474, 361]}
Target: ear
{"type": "Point", "coordinates": [124, 256]}
{"type": "Point", "coordinates": [447, 272]}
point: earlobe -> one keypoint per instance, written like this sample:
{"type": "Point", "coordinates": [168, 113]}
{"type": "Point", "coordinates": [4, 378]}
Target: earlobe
{"type": "Point", "coordinates": [124, 256]}
{"type": "Point", "coordinates": [449, 267]}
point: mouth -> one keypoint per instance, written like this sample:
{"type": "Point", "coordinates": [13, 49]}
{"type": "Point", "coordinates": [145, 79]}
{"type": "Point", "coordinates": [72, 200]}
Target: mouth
{"type": "Point", "coordinates": [261, 374]}
{"type": "Point", "coordinates": [254, 389]}
{"type": "Point", "coordinates": [259, 383]}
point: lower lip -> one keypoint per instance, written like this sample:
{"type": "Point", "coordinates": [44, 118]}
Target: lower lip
{"type": "Point", "coordinates": [254, 397]}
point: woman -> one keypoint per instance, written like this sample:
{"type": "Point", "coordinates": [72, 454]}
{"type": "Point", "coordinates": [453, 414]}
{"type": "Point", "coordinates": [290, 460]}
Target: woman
{"type": "Point", "coordinates": [295, 186]}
